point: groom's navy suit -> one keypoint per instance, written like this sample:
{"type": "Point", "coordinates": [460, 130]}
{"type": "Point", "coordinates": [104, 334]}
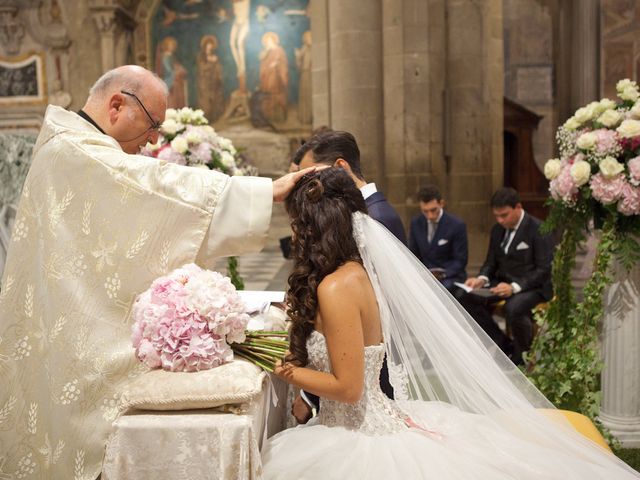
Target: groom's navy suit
{"type": "Point", "coordinates": [381, 210]}
{"type": "Point", "coordinates": [448, 248]}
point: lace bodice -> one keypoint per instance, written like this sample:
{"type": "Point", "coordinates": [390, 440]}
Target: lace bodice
{"type": "Point", "coordinates": [374, 413]}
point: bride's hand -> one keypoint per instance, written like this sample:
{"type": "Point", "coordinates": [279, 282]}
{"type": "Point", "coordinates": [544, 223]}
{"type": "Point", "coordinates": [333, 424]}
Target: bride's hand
{"type": "Point", "coordinates": [284, 370]}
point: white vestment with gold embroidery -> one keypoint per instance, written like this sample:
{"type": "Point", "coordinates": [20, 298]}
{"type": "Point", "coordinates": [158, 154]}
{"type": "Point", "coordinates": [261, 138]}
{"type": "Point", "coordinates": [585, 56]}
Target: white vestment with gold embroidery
{"type": "Point", "coordinates": [95, 226]}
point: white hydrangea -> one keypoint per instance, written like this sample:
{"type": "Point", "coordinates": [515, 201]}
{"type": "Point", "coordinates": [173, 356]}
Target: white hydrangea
{"type": "Point", "coordinates": [171, 114]}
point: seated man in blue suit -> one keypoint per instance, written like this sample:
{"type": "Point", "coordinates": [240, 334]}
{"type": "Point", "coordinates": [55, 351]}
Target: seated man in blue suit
{"type": "Point", "coordinates": [339, 149]}
{"type": "Point", "coordinates": [439, 239]}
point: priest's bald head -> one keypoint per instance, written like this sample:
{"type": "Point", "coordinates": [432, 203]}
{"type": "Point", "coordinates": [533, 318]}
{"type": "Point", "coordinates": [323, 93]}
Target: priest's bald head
{"type": "Point", "coordinates": [128, 103]}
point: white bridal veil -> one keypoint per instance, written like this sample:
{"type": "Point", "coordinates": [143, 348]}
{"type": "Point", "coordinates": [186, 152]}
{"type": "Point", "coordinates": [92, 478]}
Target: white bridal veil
{"type": "Point", "coordinates": [437, 352]}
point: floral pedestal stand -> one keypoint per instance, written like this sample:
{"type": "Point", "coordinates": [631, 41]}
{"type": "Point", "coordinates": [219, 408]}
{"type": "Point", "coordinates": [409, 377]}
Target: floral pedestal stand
{"type": "Point", "coordinates": [620, 410]}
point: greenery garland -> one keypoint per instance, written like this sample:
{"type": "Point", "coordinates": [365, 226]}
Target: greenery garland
{"type": "Point", "coordinates": [234, 274]}
{"type": "Point", "coordinates": [565, 361]}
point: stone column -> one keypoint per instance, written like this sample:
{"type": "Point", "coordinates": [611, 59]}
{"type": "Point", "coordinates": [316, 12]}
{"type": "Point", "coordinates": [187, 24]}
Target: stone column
{"type": "Point", "coordinates": [585, 48]}
{"type": "Point", "coordinates": [355, 78]}
{"type": "Point", "coordinates": [112, 22]}
{"type": "Point", "coordinates": [475, 85]}
{"type": "Point", "coordinates": [620, 410]}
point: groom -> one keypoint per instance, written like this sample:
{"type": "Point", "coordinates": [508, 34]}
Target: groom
{"type": "Point", "coordinates": [340, 149]}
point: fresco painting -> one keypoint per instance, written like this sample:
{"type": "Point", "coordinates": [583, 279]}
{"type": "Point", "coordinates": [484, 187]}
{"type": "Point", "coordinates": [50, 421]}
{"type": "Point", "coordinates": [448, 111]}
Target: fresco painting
{"type": "Point", "coordinates": [238, 60]}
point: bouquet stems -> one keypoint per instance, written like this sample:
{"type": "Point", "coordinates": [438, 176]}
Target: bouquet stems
{"type": "Point", "coordinates": [263, 349]}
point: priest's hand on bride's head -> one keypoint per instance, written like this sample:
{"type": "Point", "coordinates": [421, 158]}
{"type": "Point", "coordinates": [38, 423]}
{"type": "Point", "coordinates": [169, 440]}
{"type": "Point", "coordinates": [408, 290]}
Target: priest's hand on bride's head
{"type": "Point", "coordinates": [283, 185]}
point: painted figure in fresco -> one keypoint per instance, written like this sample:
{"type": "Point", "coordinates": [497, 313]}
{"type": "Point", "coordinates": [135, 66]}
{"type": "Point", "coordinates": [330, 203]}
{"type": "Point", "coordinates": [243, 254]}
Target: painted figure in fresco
{"type": "Point", "coordinates": [238, 37]}
{"type": "Point", "coordinates": [172, 72]}
{"type": "Point", "coordinates": [274, 77]}
{"type": "Point", "coordinates": [210, 86]}
{"type": "Point", "coordinates": [303, 62]}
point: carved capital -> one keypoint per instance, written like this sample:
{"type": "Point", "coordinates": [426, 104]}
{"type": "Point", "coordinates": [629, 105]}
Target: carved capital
{"type": "Point", "coordinates": [11, 29]}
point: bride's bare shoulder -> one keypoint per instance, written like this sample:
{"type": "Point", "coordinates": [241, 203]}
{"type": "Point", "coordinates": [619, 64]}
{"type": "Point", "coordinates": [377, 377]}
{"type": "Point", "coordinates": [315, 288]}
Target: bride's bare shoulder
{"type": "Point", "coordinates": [347, 278]}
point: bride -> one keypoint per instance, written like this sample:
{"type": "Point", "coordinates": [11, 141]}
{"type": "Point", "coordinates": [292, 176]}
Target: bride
{"type": "Point", "coordinates": [462, 410]}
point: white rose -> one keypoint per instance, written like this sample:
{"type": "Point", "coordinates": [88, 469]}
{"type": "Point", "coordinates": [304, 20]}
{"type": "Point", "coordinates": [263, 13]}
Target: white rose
{"type": "Point", "coordinates": [572, 124]}
{"type": "Point", "coordinates": [580, 172]}
{"type": "Point", "coordinates": [630, 93]}
{"type": "Point", "coordinates": [635, 111]}
{"type": "Point", "coordinates": [584, 114]}
{"type": "Point", "coordinates": [171, 127]}
{"type": "Point", "coordinates": [629, 128]}
{"type": "Point", "coordinates": [193, 137]}
{"type": "Point", "coordinates": [227, 144]}
{"type": "Point", "coordinates": [170, 114]}
{"type": "Point", "coordinates": [552, 168]}
{"type": "Point", "coordinates": [185, 114]}
{"type": "Point", "coordinates": [180, 144]}
{"type": "Point", "coordinates": [152, 146]}
{"type": "Point", "coordinates": [610, 167]}
{"type": "Point", "coordinates": [586, 141]}
{"type": "Point", "coordinates": [227, 160]}
{"type": "Point", "coordinates": [610, 118]}
{"type": "Point", "coordinates": [624, 83]}
{"type": "Point", "coordinates": [606, 104]}
{"type": "Point", "coordinates": [596, 107]}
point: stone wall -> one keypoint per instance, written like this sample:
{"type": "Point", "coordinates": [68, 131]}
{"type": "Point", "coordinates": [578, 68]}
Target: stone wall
{"type": "Point", "coordinates": [420, 84]}
{"type": "Point", "coordinates": [529, 68]}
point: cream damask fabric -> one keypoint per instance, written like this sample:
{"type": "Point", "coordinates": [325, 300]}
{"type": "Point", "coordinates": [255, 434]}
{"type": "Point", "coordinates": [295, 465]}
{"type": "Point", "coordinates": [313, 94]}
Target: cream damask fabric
{"type": "Point", "coordinates": [94, 227]}
{"type": "Point", "coordinates": [189, 445]}
{"type": "Point", "coordinates": [238, 382]}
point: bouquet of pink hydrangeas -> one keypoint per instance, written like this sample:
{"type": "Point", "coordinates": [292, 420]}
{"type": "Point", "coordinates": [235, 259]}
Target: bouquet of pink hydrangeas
{"type": "Point", "coordinates": [186, 320]}
{"type": "Point", "coordinates": [599, 165]}
{"type": "Point", "coordinates": [192, 319]}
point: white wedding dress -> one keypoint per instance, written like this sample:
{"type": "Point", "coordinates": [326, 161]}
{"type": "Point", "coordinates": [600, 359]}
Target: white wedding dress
{"type": "Point", "coordinates": [462, 409]}
{"type": "Point", "coordinates": [371, 439]}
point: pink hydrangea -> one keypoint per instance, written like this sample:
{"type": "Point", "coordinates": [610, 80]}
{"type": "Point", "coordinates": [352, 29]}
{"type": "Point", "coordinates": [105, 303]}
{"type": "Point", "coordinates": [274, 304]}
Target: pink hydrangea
{"type": "Point", "coordinates": [629, 203]}
{"type": "Point", "coordinates": [607, 191]}
{"type": "Point", "coordinates": [634, 170]}
{"type": "Point", "coordinates": [168, 154]}
{"type": "Point", "coordinates": [563, 187]}
{"type": "Point", "coordinates": [184, 320]}
{"type": "Point", "coordinates": [607, 141]}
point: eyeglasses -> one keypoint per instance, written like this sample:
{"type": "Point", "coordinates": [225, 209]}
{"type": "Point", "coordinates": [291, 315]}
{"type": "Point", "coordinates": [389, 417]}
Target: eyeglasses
{"type": "Point", "coordinates": [155, 125]}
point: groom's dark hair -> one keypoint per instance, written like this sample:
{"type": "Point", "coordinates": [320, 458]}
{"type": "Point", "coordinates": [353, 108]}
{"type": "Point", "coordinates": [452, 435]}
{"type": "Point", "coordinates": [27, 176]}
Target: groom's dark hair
{"type": "Point", "coordinates": [327, 147]}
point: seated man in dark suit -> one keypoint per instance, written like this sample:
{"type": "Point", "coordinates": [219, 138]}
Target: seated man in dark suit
{"type": "Point", "coordinates": [439, 239]}
{"type": "Point", "coordinates": [517, 268]}
{"type": "Point", "coordinates": [339, 149]}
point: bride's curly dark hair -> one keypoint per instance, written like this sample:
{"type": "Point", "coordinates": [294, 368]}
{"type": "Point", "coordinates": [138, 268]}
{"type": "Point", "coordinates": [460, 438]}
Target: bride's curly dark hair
{"type": "Point", "coordinates": [320, 207]}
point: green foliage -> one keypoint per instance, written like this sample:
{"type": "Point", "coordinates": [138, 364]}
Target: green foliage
{"type": "Point", "coordinates": [234, 274]}
{"type": "Point", "coordinates": [564, 361]}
